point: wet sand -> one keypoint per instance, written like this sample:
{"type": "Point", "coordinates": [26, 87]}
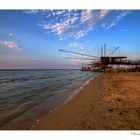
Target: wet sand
{"type": "Point", "coordinates": [109, 102]}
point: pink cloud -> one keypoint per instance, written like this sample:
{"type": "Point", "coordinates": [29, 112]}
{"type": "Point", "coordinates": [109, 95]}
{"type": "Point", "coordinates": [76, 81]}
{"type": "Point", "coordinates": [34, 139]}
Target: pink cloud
{"type": "Point", "coordinates": [9, 44]}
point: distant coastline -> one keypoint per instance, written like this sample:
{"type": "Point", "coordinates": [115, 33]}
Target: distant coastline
{"type": "Point", "coordinates": [36, 69]}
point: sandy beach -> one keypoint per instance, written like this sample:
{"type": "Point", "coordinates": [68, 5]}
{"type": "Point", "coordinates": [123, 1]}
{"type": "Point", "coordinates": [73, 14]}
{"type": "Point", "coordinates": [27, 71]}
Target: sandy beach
{"type": "Point", "coordinates": [109, 102]}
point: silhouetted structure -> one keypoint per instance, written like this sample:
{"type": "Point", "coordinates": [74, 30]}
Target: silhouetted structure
{"type": "Point", "coordinates": [107, 63]}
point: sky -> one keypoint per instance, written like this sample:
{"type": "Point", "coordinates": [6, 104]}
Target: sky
{"type": "Point", "coordinates": [31, 39]}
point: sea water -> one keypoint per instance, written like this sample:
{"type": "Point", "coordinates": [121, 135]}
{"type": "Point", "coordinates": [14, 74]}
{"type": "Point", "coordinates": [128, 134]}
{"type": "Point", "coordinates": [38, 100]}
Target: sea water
{"type": "Point", "coordinates": [26, 95]}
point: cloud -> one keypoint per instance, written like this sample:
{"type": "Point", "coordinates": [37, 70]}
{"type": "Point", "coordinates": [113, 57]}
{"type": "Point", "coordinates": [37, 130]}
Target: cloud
{"type": "Point", "coordinates": [76, 23]}
{"type": "Point", "coordinates": [31, 11]}
{"type": "Point", "coordinates": [74, 44]}
{"type": "Point", "coordinates": [65, 23]}
{"type": "Point", "coordinates": [103, 14]}
{"type": "Point", "coordinates": [10, 45]}
{"type": "Point", "coordinates": [10, 35]}
{"type": "Point", "coordinates": [117, 19]}
{"type": "Point", "coordinates": [77, 45]}
{"type": "Point", "coordinates": [58, 28]}
{"type": "Point", "coordinates": [93, 18]}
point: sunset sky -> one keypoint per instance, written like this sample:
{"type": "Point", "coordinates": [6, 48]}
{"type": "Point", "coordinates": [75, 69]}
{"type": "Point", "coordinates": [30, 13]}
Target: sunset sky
{"type": "Point", "coordinates": [30, 39]}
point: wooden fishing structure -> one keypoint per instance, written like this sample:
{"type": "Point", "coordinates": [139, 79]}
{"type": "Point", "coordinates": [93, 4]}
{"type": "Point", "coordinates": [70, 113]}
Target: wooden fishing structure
{"type": "Point", "coordinates": [107, 62]}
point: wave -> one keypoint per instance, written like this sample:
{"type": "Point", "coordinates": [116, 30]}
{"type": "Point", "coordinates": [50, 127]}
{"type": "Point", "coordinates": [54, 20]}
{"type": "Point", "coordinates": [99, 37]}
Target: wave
{"type": "Point", "coordinates": [17, 110]}
{"type": "Point", "coordinates": [9, 80]}
{"type": "Point", "coordinates": [27, 78]}
{"type": "Point", "coordinates": [21, 91]}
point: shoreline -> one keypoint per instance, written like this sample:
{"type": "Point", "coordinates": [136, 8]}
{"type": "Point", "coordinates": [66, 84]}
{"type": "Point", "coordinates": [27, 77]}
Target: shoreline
{"type": "Point", "coordinates": [103, 104]}
{"type": "Point", "coordinates": [50, 121]}
{"type": "Point", "coordinates": [74, 93]}
{"type": "Point", "coordinates": [48, 95]}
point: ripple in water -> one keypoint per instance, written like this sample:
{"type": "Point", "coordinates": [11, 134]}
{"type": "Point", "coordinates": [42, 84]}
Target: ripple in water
{"type": "Point", "coordinates": [26, 95]}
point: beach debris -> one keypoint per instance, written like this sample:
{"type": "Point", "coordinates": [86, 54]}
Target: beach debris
{"type": "Point", "coordinates": [119, 100]}
{"type": "Point", "coordinates": [111, 110]}
{"type": "Point", "coordinates": [37, 120]}
{"type": "Point", "coordinates": [120, 113]}
{"type": "Point", "coordinates": [109, 88]}
{"type": "Point", "coordinates": [89, 127]}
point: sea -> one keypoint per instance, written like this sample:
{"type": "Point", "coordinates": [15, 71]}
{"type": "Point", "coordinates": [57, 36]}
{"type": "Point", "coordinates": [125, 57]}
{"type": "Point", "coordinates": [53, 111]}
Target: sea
{"type": "Point", "coordinates": [27, 95]}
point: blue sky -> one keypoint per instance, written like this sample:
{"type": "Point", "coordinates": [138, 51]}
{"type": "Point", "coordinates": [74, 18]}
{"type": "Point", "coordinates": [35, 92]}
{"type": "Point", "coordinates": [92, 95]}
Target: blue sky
{"type": "Point", "coordinates": [30, 39]}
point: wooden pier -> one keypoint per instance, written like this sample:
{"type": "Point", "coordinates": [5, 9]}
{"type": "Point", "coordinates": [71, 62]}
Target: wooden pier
{"type": "Point", "coordinates": [107, 62]}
